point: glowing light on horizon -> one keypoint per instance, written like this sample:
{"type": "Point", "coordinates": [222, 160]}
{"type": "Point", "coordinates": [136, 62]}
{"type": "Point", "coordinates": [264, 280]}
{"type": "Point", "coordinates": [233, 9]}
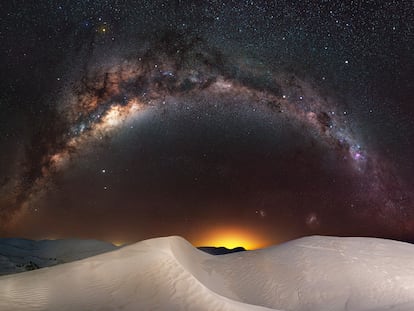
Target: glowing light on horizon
{"type": "Point", "coordinates": [231, 237]}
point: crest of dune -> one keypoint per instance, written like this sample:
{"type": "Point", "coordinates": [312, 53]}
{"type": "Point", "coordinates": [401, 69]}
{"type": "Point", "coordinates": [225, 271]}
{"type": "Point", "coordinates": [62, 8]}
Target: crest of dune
{"type": "Point", "coordinates": [313, 273]}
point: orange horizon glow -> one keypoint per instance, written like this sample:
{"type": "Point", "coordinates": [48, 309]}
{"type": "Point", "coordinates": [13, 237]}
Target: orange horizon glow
{"type": "Point", "coordinates": [231, 237]}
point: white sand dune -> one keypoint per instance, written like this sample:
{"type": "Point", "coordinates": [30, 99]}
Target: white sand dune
{"type": "Point", "coordinates": [312, 274]}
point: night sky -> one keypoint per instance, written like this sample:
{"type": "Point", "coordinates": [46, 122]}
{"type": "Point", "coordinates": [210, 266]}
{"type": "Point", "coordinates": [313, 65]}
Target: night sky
{"type": "Point", "coordinates": [252, 121]}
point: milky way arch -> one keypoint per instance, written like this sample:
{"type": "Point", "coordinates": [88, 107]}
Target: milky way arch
{"type": "Point", "coordinates": [109, 94]}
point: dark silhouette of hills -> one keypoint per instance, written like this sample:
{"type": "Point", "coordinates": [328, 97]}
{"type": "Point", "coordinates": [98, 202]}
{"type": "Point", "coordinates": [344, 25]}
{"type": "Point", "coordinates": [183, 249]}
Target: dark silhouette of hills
{"type": "Point", "coordinates": [220, 250]}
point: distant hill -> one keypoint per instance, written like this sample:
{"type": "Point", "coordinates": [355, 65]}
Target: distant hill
{"type": "Point", "coordinates": [220, 250]}
{"type": "Point", "coordinates": [19, 255]}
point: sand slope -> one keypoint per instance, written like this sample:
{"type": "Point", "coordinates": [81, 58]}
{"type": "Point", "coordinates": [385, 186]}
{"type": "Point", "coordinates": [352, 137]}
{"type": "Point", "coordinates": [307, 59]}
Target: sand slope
{"type": "Point", "coordinates": [314, 274]}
